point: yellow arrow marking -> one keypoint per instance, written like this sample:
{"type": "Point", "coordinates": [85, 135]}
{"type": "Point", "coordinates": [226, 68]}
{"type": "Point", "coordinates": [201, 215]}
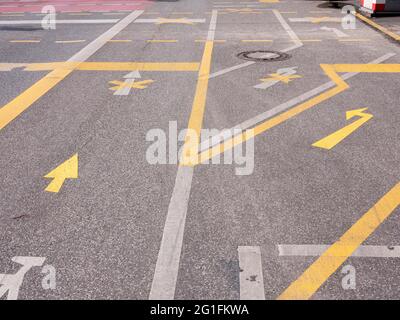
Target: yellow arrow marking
{"type": "Point", "coordinates": [332, 72]}
{"type": "Point", "coordinates": [136, 85]}
{"type": "Point", "coordinates": [333, 139]}
{"type": "Point", "coordinates": [66, 170]}
{"type": "Point", "coordinates": [280, 77]}
{"type": "Point", "coordinates": [316, 275]}
{"type": "Point", "coordinates": [181, 20]}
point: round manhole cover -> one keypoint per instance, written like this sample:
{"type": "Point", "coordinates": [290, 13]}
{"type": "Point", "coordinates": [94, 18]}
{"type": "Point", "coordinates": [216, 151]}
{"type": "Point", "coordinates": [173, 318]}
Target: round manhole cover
{"type": "Point", "coordinates": [263, 56]}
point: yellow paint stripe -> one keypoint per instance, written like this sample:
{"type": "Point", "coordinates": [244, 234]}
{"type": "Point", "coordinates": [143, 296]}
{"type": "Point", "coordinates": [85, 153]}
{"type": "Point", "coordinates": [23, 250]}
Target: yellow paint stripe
{"type": "Point", "coordinates": [367, 68]}
{"type": "Point", "coordinates": [316, 275]}
{"type": "Point", "coordinates": [199, 104]}
{"type": "Point", "coordinates": [114, 66]}
{"type": "Point", "coordinates": [354, 40]}
{"type": "Point", "coordinates": [379, 27]}
{"type": "Point", "coordinates": [15, 107]}
{"type": "Point", "coordinates": [24, 41]}
{"type": "Point", "coordinates": [273, 122]}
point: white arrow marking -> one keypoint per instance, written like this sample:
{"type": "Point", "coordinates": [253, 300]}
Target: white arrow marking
{"type": "Point", "coordinates": [337, 32]}
{"type": "Point", "coordinates": [11, 283]}
{"type": "Point", "coordinates": [130, 79]}
{"type": "Point", "coordinates": [270, 83]}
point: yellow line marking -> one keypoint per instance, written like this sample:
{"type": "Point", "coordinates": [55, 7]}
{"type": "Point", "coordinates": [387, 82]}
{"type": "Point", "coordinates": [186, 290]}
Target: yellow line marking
{"type": "Point", "coordinates": [332, 72]}
{"type": "Point", "coordinates": [67, 170]}
{"type": "Point", "coordinates": [316, 275]}
{"type": "Point", "coordinates": [354, 40]}
{"type": "Point", "coordinates": [162, 41]}
{"type": "Point", "coordinates": [273, 122]}
{"type": "Point", "coordinates": [15, 107]}
{"type": "Point", "coordinates": [386, 31]}
{"type": "Point", "coordinates": [111, 66]}
{"type": "Point", "coordinates": [182, 13]}
{"type": "Point", "coordinates": [119, 41]}
{"type": "Point", "coordinates": [367, 68]}
{"type": "Point", "coordinates": [190, 148]}
{"type": "Point", "coordinates": [257, 40]}
{"type": "Point", "coordinates": [335, 138]}
{"type": "Point", "coordinates": [25, 41]}
{"type": "Point", "coordinates": [268, 1]}
{"type": "Point", "coordinates": [69, 41]}
{"type": "Point", "coordinates": [288, 12]}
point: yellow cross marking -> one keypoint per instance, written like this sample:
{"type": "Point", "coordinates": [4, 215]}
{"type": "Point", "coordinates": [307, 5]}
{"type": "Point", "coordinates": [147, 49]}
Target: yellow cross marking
{"type": "Point", "coordinates": [135, 85]}
{"type": "Point", "coordinates": [181, 20]}
{"type": "Point", "coordinates": [280, 77]}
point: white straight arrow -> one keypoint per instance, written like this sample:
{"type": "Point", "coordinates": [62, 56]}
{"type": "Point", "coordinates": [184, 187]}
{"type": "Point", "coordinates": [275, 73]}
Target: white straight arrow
{"type": "Point", "coordinates": [270, 83]}
{"type": "Point", "coordinates": [129, 80]}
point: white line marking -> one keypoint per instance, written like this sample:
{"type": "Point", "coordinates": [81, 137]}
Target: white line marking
{"type": "Point", "coordinates": [167, 267]}
{"type": "Point", "coordinates": [96, 44]}
{"type": "Point", "coordinates": [251, 276]}
{"type": "Point", "coordinates": [310, 250]}
{"type": "Point", "coordinates": [291, 34]}
{"type": "Point", "coordinates": [161, 20]}
{"type": "Point", "coordinates": [310, 19]}
{"type": "Point", "coordinates": [91, 21]}
{"type": "Point", "coordinates": [284, 106]}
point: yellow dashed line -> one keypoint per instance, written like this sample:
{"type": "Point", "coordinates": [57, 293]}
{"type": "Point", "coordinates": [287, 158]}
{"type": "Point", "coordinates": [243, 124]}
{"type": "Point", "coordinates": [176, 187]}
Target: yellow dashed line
{"type": "Point", "coordinates": [354, 40]}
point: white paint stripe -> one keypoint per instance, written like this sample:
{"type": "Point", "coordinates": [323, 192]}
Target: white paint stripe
{"type": "Point", "coordinates": [251, 276]}
{"type": "Point", "coordinates": [91, 21]}
{"type": "Point", "coordinates": [308, 250]}
{"type": "Point", "coordinates": [161, 20]}
{"type": "Point", "coordinates": [96, 44]}
{"type": "Point", "coordinates": [285, 26]}
{"type": "Point", "coordinates": [284, 106]}
{"type": "Point", "coordinates": [167, 266]}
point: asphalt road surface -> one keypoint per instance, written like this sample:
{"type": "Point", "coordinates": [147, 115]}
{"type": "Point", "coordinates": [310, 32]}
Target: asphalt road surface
{"type": "Point", "coordinates": [306, 205]}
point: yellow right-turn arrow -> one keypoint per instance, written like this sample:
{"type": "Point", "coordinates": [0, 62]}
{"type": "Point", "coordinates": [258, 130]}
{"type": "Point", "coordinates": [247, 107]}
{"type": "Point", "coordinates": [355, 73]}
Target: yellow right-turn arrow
{"type": "Point", "coordinates": [333, 139]}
